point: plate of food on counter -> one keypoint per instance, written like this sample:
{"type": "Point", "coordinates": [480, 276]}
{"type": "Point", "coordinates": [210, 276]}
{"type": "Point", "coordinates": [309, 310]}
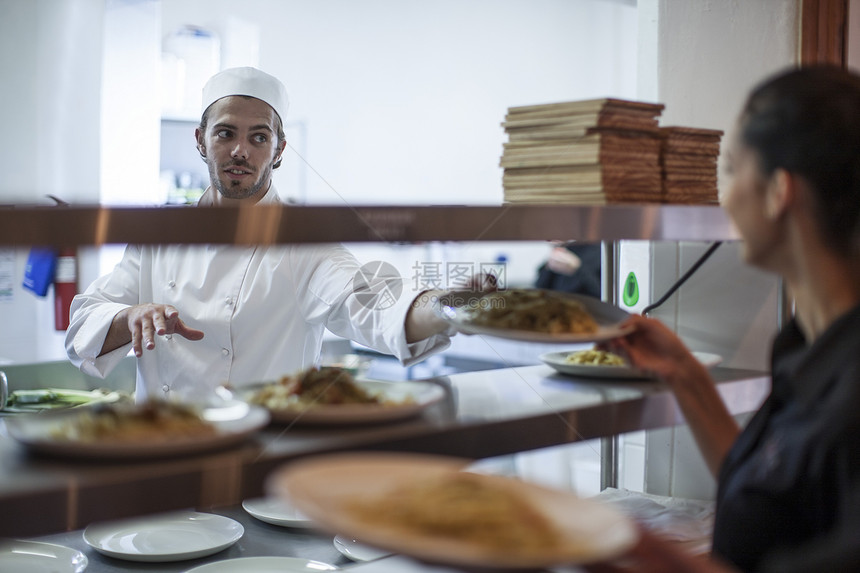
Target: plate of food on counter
{"type": "Point", "coordinates": [123, 431]}
{"type": "Point", "coordinates": [594, 363]}
{"type": "Point", "coordinates": [432, 509]}
{"type": "Point", "coordinates": [331, 395]}
{"type": "Point", "coordinates": [532, 315]}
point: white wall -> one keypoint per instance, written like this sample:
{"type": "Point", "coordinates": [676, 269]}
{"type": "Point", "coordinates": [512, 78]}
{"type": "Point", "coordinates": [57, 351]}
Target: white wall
{"type": "Point", "coordinates": [50, 56]}
{"type": "Point", "coordinates": [402, 100]}
{"type": "Point", "coordinates": [50, 62]}
{"type": "Point", "coordinates": [131, 108]}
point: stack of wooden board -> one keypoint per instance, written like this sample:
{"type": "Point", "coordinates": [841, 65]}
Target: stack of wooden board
{"type": "Point", "coordinates": [593, 152]}
{"type": "Point", "coordinates": [689, 159]}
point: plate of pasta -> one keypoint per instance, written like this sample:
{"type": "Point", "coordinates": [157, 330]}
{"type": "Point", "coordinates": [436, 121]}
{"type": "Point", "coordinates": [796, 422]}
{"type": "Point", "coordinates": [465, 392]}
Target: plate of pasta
{"type": "Point", "coordinates": [332, 396]}
{"type": "Point", "coordinates": [593, 363]}
{"type": "Point", "coordinates": [532, 315]}
{"type": "Point", "coordinates": [124, 431]}
{"type": "Point", "coordinates": [430, 508]}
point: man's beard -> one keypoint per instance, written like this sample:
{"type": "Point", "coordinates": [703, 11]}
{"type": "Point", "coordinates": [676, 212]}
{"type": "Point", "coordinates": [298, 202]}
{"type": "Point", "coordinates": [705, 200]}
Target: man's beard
{"type": "Point", "coordinates": [235, 189]}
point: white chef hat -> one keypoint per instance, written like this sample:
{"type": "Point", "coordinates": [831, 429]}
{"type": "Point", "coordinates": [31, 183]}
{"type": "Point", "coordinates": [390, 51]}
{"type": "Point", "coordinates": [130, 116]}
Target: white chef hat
{"type": "Point", "coordinates": [249, 82]}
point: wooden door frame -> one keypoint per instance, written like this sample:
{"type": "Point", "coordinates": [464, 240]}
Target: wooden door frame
{"type": "Point", "coordinates": [823, 32]}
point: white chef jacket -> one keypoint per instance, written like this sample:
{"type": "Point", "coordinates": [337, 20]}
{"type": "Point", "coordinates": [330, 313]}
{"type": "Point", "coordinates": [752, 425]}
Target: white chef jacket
{"type": "Point", "coordinates": [263, 311]}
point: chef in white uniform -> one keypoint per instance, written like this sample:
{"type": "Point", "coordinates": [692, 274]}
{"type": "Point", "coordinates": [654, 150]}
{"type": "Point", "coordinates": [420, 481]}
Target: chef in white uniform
{"type": "Point", "coordinates": [200, 316]}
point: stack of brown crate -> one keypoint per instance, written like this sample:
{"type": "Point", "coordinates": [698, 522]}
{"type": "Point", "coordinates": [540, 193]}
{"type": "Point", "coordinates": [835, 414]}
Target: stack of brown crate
{"type": "Point", "coordinates": [588, 152]}
{"type": "Point", "coordinates": [689, 160]}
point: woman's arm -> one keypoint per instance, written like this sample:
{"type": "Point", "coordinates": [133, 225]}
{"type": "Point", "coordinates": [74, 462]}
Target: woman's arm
{"type": "Point", "coordinates": [655, 349]}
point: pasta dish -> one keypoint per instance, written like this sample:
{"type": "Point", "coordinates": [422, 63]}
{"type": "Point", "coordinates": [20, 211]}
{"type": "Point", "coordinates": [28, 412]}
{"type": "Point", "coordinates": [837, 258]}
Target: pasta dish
{"type": "Point", "coordinates": [149, 421]}
{"type": "Point", "coordinates": [465, 507]}
{"type": "Point", "coordinates": [532, 310]}
{"type": "Point", "coordinates": [315, 386]}
{"type": "Point", "coordinates": [595, 358]}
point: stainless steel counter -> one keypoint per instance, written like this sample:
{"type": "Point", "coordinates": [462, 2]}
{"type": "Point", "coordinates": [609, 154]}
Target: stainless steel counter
{"type": "Point", "coordinates": [484, 414]}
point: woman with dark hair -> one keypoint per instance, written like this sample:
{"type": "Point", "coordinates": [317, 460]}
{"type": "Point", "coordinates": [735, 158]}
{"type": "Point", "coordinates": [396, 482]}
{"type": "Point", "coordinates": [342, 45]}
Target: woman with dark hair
{"type": "Point", "coordinates": [791, 478]}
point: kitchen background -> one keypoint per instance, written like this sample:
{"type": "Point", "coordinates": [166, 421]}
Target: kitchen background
{"type": "Point", "coordinates": [392, 102]}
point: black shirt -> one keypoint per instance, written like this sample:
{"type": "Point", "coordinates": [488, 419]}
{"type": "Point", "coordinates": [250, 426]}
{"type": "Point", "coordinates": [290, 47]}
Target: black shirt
{"type": "Point", "coordinates": [794, 472]}
{"type": "Point", "coordinates": [836, 552]}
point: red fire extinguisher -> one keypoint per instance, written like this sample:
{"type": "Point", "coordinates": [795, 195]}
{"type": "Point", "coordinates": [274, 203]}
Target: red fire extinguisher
{"type": "Point", "coordinates": [65, 286]}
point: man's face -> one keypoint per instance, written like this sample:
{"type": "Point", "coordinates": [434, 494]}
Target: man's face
{"type": "Point", "coordinates": [240, 146]}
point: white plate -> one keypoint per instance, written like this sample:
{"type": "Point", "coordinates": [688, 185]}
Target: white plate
{"type": "Point", "coordinates": [264, 565]}
{"type": "Point", "coordinates": [174, 536]}
{"type": "Point", "coordinates": [324, 488]}
{"type": "Point", "coordinates": [234, 422]}
{"type": "Point", "coordinates": [277, 511]}
{"type": "Point", "coordinates": [420, 395]}
{"type": "Point", "coordinates": [60, 398]}
{"type": "Point", "coordinates": [454, 308]}
{"type": "Point", "coordinates": [37, 557]}
{"type": "Point", "coordinates": [557, 361]}
{"type": "Point", "coordinates": [357, 551]}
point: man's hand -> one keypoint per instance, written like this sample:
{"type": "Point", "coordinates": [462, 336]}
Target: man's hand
{"type": "Point", "coordinates": [423, 321]}
{"type": "Point", "coordinates": [140, 324]}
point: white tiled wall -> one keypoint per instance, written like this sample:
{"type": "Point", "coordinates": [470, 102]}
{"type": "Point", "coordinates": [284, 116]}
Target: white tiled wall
{"type": "Point", "coordinates": [631, 461]}
{"type": "Point", "coordinates": [572, 467]}
{"type": "Point", "coordinates": [577, 467]}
